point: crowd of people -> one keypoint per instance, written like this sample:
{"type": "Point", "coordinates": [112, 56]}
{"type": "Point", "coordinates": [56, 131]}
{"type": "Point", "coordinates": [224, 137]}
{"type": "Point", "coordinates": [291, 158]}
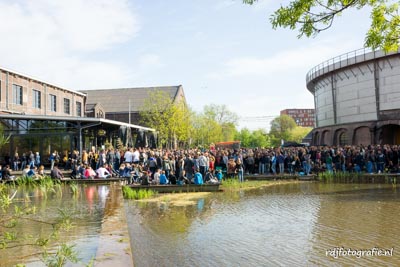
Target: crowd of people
{"type": "Point", "coordinates": [163, 166]}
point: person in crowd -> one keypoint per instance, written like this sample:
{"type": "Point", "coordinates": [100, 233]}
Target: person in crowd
{"type": "Point", "coordinates": [189, 166]}
{"type": "Point", "coordinates": [231, 168]}
{"type": "Point", "coordinates": [163, 178]}
{"type": "Point", "coordinates": [144, 179]}
{"type": "Point", "coordinates": [16, 161]}
{"type": "Point", "coordinates": [183, 179]}
{"type": "Point", "coordinates": [198, 178]}
{"type": "Point", "coordinates": [127, 172]}
{"type": "Point", "coordinates": [152, 164]}
{"type": "Point", "coordinates": [41, 172]}
{"type": "Point", "coordinates": [56, 173]}
{"type": "Point", "coordinates": [239, 170]}
{"type": "Point", "coordinates": [26, 170]}
{"type": "Point", "coordinates": [172, 178]}
{"type": "Point", "coordinates": [37, 159]}
{"type": "Point", "coordinates": [102, 172]}
{"type": "Point", "coordinates": [156, 178]}
{"type": "Point", "coordinates": [219, 175]}
{"type": "Point", "coordinates": [33, 172]}
{"type": "Point", "coordinates": [24, 161]}
{"type": "Point", "coordinates": [281, 163]}
{"type": "Point", "coordinates": [89, 173]}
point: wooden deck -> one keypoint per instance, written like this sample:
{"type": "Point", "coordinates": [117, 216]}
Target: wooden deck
{"type": "Point", "coordinates": [253, 177]}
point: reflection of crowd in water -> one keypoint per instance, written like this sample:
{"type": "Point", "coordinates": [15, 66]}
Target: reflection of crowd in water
{"type": "Point", "coordinates": [160, 166]}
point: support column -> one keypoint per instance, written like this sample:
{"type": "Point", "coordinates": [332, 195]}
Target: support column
{"type": "Point", "coordinates": [376, 83]}
{"type": "Point", "coordinates": [7, 89]}
{"type": "Point", "coordinates": [333, 84]}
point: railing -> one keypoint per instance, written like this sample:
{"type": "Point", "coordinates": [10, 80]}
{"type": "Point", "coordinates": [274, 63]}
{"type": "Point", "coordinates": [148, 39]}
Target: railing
{"type": "Point", "coordinates": [350, 58]}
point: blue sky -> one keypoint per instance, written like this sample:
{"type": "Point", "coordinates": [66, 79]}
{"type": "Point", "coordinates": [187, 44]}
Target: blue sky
{"type": "Point", "coordinates": [221, 51]}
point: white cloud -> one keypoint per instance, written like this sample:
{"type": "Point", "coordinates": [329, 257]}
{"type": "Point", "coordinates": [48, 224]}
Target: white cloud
{"type": "Point", "coordinates": [55, 40]}
{"type": "Point", "coordinates": [283, 61]}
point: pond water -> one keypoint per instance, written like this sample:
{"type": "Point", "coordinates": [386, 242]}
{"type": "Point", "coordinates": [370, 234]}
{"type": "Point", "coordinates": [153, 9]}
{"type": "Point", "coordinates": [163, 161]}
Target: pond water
{"type": "Point", "coordinates": [88, 208]}
{"type": "Point", "coordinates": [292, 225]}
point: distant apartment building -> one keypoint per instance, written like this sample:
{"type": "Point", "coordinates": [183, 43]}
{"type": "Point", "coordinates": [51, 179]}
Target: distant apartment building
{"type": "Point", "coordinates": [303, 117]}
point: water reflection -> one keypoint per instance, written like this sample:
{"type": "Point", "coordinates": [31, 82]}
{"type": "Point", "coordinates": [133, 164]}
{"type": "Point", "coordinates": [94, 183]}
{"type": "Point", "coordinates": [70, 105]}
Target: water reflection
{"type": "Point", "coordinates": [87, 209]}
{"type": "Point", "coordinates": [291, 224]}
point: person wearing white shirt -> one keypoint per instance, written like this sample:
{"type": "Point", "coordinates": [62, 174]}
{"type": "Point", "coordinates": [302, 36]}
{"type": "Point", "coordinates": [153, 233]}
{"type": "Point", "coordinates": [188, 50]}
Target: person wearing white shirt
{"type": "Point", "coordinates": [136, 156]}
{"type": "Point", "coordinates": [103, 173]}
{"type": "Point", "coordinates": [128, 156]}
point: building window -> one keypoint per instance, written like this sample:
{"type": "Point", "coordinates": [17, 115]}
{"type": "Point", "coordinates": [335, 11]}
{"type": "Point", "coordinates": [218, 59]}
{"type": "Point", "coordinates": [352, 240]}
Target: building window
{"type": "Point", "coordinates": [66, 106]}
{"type": "Point", "coordinates": [37, 99]}
{"type": "Point", "coordinates": [17, 94]}
{"type": "Point", "coordinates": [79, 109]}
{"type": "Point", "coordinates": [53, 103]}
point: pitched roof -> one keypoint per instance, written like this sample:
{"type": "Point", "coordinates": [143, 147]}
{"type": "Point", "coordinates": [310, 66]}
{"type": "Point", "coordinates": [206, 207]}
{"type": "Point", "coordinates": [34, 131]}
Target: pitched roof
{"type": "Point", "coordinates": [117, 100]}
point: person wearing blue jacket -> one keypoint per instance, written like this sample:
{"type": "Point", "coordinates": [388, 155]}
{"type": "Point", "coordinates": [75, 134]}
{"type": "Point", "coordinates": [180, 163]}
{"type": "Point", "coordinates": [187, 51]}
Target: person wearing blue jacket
{"type": "Point", "coordinates": [163, 178]}
{"type": "Point", "coordinates": [198, 178]}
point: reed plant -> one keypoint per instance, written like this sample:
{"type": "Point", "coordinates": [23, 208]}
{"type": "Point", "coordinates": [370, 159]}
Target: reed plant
{"type": "Point", "coordinates": [74, 187]}
{"type": "Point", "coordinates": [130, 193]}
{"type": "Point", "coordinates": [352, 177]}
{"type": "Point", "coordinates": [25, 180]}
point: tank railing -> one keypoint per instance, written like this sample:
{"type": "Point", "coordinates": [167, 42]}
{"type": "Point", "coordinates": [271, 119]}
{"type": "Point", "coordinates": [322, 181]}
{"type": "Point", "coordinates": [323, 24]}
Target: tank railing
{"type": "Point", "coordinates": [343, 60]}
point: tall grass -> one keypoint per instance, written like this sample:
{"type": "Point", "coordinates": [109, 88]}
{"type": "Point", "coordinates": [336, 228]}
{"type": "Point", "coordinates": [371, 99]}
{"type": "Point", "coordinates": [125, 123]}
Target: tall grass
{"type": "Point", "coordinates": [130, 193]}
{"type": "Point", "coordinates": [351, 177]}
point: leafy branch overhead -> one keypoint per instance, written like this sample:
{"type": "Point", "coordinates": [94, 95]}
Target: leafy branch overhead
{"type": "Point", "coordinates": [310, 17]}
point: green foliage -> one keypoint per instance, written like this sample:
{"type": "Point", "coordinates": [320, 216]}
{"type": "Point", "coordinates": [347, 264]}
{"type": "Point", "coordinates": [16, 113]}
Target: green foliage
{"type": "Point", "coordinates": [171, 120]}
{"type": "Point", "coordinates": [130, 193]}
{"type": "Point", "coordinates": [63, 254]}
{"type": "Point", "coordinates": [257, 138]}
{"type": "Point", "coordinates": [298, 133]}
{"type": "Point", "coordinates": [74, 187]}
{"type": "Point", "coordinates": [310, 17]}
{"type": "Point", "coordinates": [221, 114]}
{"type": "Point", "coordinates": [281, 128]}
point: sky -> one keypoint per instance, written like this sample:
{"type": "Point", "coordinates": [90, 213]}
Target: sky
{"type": "Point", "coordinates": [221, 51]}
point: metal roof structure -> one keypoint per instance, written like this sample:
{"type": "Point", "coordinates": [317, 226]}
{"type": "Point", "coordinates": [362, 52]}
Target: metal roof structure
{"type": "Point", "coordinates": [124, 99]}
{"type": "Point", "coordinates": [73, 119]}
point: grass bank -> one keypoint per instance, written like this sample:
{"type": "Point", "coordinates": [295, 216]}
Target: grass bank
{"type": "Point", "coordinates": [177, 199]}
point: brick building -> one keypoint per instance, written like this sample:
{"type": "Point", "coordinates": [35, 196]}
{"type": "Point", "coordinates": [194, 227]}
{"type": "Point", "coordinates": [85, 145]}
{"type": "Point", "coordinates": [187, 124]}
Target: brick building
{"type": "Point", "coordinates": [303, 117]}
{"type": "Point", "coordinates": [41, 117]}
{"type": "Point", "coordinates": [20, 94]}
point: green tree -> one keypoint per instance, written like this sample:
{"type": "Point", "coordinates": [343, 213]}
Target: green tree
{"type": "Point", "coordinates": [171, 120]}
{"type": "Point", "coordinates": [228, 131]}
{"type": "Point", "coordinates": [244, 136]}
{"type": "Point", "coordinates": [281, 128]}
{"type": "Point", "coordinates": [311, 17]}
{"type": "Point", "coordinates": [224, 117]}
{"type": "Point", "coordinates": [206, 130]}
{"type": "Point", "coordinates": [221, 114]}
{"type": "Point", "coordinates": [298, 133]}
{"type": "Point", "coordinates": [259, 138]}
